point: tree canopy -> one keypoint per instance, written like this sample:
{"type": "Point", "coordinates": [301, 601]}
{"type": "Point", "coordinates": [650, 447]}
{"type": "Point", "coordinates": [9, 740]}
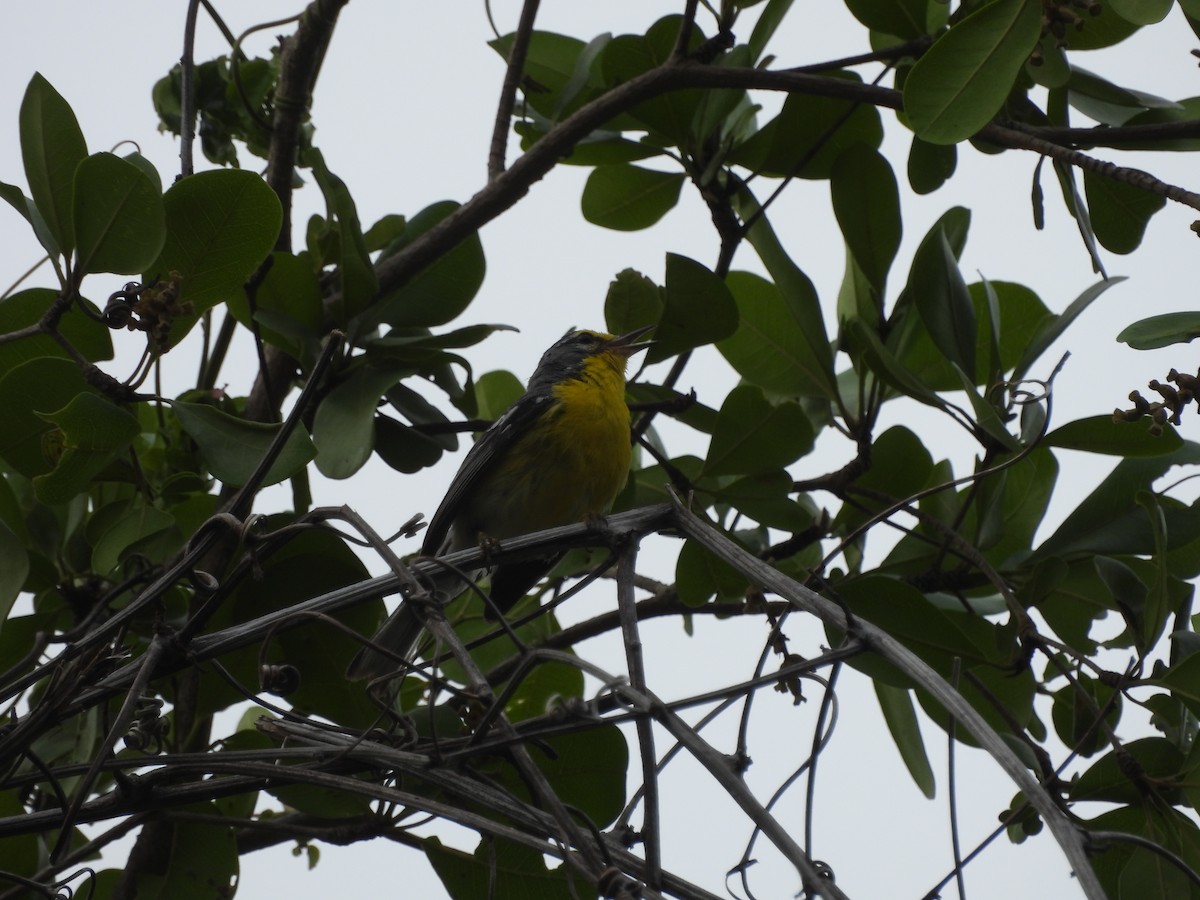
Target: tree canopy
{"type": "Point", "coordinates": [864, 502]}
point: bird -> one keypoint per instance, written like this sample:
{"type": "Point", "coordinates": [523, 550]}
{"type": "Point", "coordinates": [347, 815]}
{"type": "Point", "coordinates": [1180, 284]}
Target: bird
{"type": "Point", "coordinates": [559, 455]}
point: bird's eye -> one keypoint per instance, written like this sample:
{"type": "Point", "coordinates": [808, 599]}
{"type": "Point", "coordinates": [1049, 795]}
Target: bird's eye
{"type": "Point", "coordinates": [588, 339]}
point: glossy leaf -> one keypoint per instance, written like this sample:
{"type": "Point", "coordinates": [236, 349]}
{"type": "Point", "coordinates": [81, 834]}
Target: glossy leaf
{"type": "Point", "coordinates": [897, 706]}
{"type": "Point", "coordinates": [753, 435]}
{"type": "Point", "coordinates": [233, 447]}
{"type": "Point", "coordinates": [1161, 331]}
{"type": "Point", "coordinates": [961, 82]}
{"type": "Point", "coordinates": [119, 216]}
{"type": "Point", "coordinates": [52, 146]}
{"type": "Point", "coordinates": [698, 309]}
{"type": "Point", "coordinates": [867, 205]}
{"type": "Point", "coordinates": [221, 225]}
{"type": "Point", "coordinates": [629, 198]}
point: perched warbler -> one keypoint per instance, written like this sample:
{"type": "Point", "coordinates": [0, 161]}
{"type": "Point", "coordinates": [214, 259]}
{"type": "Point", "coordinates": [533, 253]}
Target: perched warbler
{"type": "Point", "coordinates": [559, 455]}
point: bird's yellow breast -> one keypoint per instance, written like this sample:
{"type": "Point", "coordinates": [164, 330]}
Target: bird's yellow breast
{"type": "Point", "coordinates": [571, 464]}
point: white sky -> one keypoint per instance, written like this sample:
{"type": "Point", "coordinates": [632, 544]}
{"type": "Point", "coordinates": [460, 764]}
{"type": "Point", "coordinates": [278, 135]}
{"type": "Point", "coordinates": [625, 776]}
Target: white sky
{"type": "Point", "coordinates": [404, 112]}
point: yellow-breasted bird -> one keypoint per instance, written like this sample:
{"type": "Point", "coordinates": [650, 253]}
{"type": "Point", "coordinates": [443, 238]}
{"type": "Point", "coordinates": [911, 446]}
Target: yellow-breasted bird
{"type": "Point", "coordinates": [559, 455]}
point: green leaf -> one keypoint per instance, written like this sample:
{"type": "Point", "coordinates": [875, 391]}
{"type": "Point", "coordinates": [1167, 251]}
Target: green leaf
{"type": "Point", "coordinates": [901, 719]}
{"type": "Point", "coordinates": [1120, 212]}
{"type": "Point", "coordinates": [91, 432]}
{"type": "Point", "coordinates": [404, 448]}
{"type": "Point", "coordinates": [14, 570]}
{"type": "Point", "coordinates": [699, 575]}
{"type": "Point", "coordinates": [356, 276]}
{"type": "Point", "coordinates": [233, 447]}
{"type": "Point", "coordinates": [28, 442]}
{"type": "Point", "coordinates": [902, 18]}
{"type": "Point", "coordinates": [52, 146]}
{"type": "Point", "coordinates": [344, 426]}
{"type": "Point", "coordinates": [117, 528]}
{"type": "Point", "coordinates": [442, 290]}
{"type": "Point", "coordinates": [1161, 331]}
{"type": "Point", "coordinates": [633, 300]}
{"type": "Point", "coordinates": [25, 308]}
{"type": "Point", "coordinates": [867, 205]}
{"type": "Point", "coordinates": [498, 869]}
{"type": "Point", "coordinates": [558, 73]}
{"type": "Point", "coordinates": [1100, 434]}
{"type": "Point", "coordinates": [799, 298]}
{"type": "Point", "coordinates": [1141, 12]}
{"type": "Point", "coordinates": [770, 348]}
{"type": "Point", "coordinates": [768, 22]}
{"type": "Point", "coordinates": [1051, 330]}
{"type": "Point", "coordinates": [697, 309]}
{"type": "Point", "coordinates": [943, 300]}
{"type": "Point", "coordinates": [495, 392]}
{"type": "Point", "coordinates": [669, 117]}
{"type": "Point", "coordinates": [629, 198]}
{"type": "Point", "coordinates": [119, 218]}
{"type": "Point", "coordinates": [1075, 719]}
{"type": "Point", "coordinates": [962, 81]}
{"type": "Point", "coordinates": [1110, 520]}
{"type": "Point", "coordinates": [752, 435]}
{"type": "Point", "coordinates": [930, 165]}
{"type": "Point", "coordinates": [287, 306]}
{"type": "Point", "coordinates": [809, 134]}
{"type": "Point", "coordinates": [220, 226]}
{"type": "Point", "coordinates": [16, 198]}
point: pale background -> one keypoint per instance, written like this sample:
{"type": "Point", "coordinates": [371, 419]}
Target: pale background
{"type": "Point", "coordinates": [404, 112]}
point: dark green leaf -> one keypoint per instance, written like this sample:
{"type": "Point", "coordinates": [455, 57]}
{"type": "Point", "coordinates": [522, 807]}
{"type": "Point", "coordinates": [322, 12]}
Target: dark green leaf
{"type": "Point", "coordinates": [287, 306]}
{"type": "Point", "coordinates": [1109, 779]}
{"type": "Point", "coordinates": [943, 300]}
{"type": "Point", "coordinates": [930, 165]}
{"type": "Point", "coordinates": [14, 570]}
{"type": "Point", "coordinates": [1120, 212]}
{"type": "Point", "coordinates": [499, 869]}
{"type": "Point", "coordinates": [628, 198]}
{"type": "Point", "coordinates": [1052, 329]}
{"type": "Point", "coordinates": [233, 447]}
{"type": "Point", "coordinates": [697, 309]}
{"type": "Point", "coordinates": [558, 72]}
{"type": "Point", "coordinates": [28, 442]}
{"type": "Point", "coordinates": [770, 348]}
{"type": "Point", "coordinates": [442, 290]}
{"type": "Point", "coordinates": [91, 431]}
{"type": "Point", "coordinates": [356, 277]}
{"type": "Point", "coordinates": [867, 206]}
{"type": "Point", "coordinates": [808, 136]}
{"type": "Point", "coordinates": [52, 146]}
{"type": "Point", "coordinates": [901, 719]}
{"type": "Point", "coordinates": [1100, 434]}
{"type": "Point", "coordinates": [119, 218]}
{"type": "Point", "coordinates": [1077, 711]}
{"type": "Point", "coordinates": [1161, 331]}
{"type": "Point", "coordinates": [633, 300]}
{"type": "Point", "coordinates": [115, 529]}
{"type": "Point", "coordinates": [962, 81]}
{"type": "Point", "coordinates": [902, 18]}
{"type": "Point", "coordinates": [799, 299]}
{"type": "Point", "coordinates": [768, 22]}
{"type": "Point", "coordinates": [220, 226]}
{"type": "Point", "coordinates": [699, 575]}
{"type": "Point", "coordinates": [403, 447]}
{"type": "Point", "coordinates": [752, 435]}
{"type": "Point", "coordinates": [1141, 12]}
{"type": "Point", "coordinates": [25, 308]}
{"type": "Point", "coordinates": [344, 426]}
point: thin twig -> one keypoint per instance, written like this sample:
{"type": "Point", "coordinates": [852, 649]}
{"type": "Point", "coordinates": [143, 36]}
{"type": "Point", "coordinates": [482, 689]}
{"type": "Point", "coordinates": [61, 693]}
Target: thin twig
{"type": "Point", "coordinates": [508, 91]}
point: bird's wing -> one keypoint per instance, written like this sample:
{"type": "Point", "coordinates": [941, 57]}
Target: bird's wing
{"type": "Point", "coordinates": [480, 459]}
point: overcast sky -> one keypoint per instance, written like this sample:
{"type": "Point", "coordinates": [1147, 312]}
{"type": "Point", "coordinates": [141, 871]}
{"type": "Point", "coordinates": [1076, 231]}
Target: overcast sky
{"type": "Point", "coordinates": [404, 112]}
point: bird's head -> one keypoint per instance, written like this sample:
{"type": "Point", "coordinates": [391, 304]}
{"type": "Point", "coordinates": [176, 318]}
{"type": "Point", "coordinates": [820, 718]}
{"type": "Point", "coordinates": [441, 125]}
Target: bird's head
{"type": "Point", "coordinates": [570, 354]}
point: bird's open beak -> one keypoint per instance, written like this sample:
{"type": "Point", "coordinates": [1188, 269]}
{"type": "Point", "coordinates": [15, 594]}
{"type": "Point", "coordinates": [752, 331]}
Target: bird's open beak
{"type": "Point", "coordinates": [628, 344]}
